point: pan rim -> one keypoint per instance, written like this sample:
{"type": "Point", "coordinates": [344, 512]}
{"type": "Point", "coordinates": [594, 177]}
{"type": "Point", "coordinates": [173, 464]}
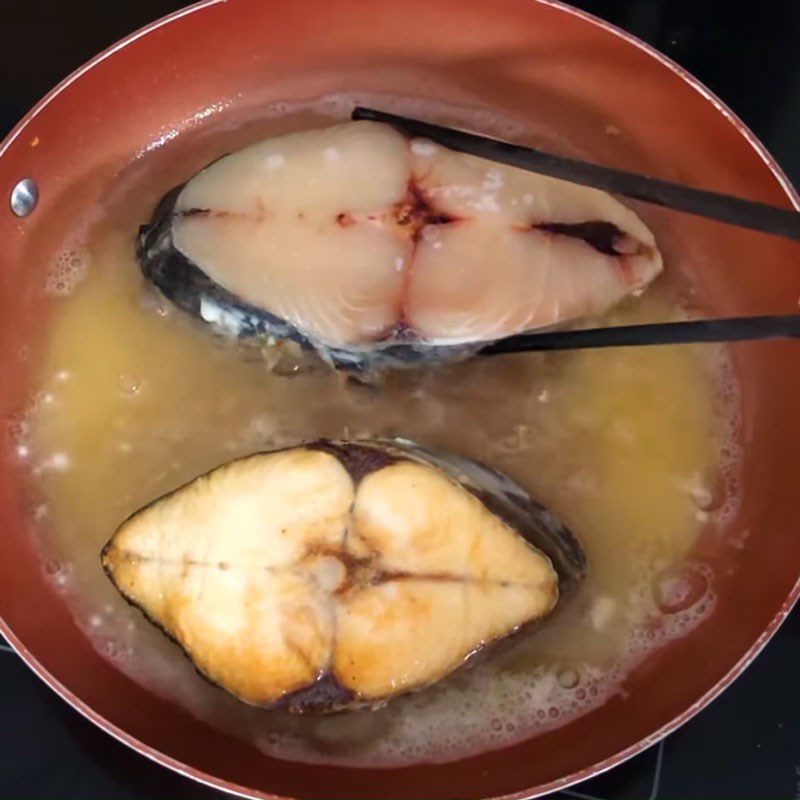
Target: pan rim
{"type": "Point", "coordinates": [527, 794]}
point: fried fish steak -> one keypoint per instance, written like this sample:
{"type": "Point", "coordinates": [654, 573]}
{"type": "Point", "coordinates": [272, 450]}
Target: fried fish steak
{"type": "Point", "coordinates": [337, 574]}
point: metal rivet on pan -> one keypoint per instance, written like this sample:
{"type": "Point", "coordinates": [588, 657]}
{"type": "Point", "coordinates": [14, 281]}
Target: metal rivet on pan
{"type": "Point", "coordinates": [24, 197]}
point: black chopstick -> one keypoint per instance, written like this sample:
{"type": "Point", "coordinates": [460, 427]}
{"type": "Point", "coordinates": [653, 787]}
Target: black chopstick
{"type": "Point", "coordinates": [723, 208]}
{"type": "Point", "coordinates": [732, 329]}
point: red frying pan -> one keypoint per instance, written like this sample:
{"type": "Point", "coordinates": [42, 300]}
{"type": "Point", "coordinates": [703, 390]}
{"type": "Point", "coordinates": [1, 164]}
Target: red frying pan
{"type": "Point", "coordinates": [537, 60]}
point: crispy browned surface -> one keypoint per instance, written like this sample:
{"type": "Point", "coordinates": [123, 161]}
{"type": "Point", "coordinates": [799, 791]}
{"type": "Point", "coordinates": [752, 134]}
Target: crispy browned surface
{"type": "Point", "coordinates": [288, 581]}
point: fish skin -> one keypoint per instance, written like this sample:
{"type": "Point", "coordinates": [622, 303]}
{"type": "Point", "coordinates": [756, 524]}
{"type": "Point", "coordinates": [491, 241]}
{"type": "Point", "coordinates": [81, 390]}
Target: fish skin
{"type": "Point", "coordinates": [324, 689]}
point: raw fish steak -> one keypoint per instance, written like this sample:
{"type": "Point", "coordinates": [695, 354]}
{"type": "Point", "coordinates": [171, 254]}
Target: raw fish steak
{"type": "Point", "coordinates": [376, 250]}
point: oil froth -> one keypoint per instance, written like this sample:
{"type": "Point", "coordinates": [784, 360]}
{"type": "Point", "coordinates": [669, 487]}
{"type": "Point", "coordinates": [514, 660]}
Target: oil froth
{"type": "Point", "coordinates": [68, 269]}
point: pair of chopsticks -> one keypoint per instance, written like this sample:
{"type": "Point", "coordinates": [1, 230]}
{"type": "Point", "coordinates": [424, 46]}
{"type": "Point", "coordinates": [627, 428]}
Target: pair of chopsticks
{"type": "Point", "coordinates": [712, 205]}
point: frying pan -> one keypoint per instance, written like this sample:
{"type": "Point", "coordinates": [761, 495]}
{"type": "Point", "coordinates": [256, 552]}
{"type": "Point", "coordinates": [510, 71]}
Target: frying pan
{"type": "Point", "coordinates": [539, 61]}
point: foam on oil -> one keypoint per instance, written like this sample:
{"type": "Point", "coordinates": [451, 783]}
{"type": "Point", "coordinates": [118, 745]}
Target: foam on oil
{"type": "Point", "coordinates": [635, 449]}
{"type": "Point", "coordinates": [68, 269]}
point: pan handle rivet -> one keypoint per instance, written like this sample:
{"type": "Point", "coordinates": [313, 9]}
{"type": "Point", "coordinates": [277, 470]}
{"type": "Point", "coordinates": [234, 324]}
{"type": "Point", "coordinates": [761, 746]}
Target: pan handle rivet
{"type": "Point", "coordinates": [24, 197]}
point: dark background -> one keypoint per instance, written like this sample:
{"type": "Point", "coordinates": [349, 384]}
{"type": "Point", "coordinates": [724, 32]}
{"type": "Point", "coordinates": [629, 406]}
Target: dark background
{"type": "Point", "coordinates": [747, 744]}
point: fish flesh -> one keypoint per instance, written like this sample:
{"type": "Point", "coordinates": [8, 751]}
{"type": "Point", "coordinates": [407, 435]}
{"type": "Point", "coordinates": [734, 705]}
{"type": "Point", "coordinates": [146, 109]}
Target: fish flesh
{"type": "Point", "coordinates": [378, 250]}
{"type": "Point", "coordinates": [340, 574]}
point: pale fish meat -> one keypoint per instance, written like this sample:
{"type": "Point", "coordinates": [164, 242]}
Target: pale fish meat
{"type": "Point", "coordinates": [376, 250]}
{"type": "Point", "coordinates": [338, 574]}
